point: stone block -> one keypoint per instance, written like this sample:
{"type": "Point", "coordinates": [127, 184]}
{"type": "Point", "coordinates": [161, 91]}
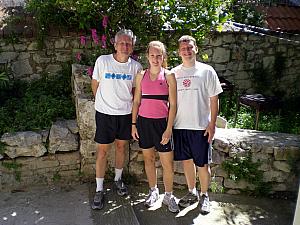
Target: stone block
{"type": "Point", "coordinates": [274, 176]}
{"type": "Point", "coordinates": [218, 171]}
{"type": "Point", "coordinates": [47, 162]}
{"type": "Point", "coordinates": [86, 118]}
{"type": "Point", "coordinates": [61, 138]}
{"type": "Point", "coordinates": [25, 143]}
{"type": "Point", "coordinates": [238, 152]}
{"type": "Point", "coordinates": [241, 184]}
{"type": "Point", "coordinates": [179, 179]}
{"type": "Point", "coordinates": [60, 43]}
{"type": "Point", "coordinates": [283, 153]}
{"type": "Point", "coordinates": [233, 192]}
{"type": "Point", "coordinates": [221, 143]}
{"type": "Point", "coordinates": [69, 158]}
{"type": "Point", "coordinates": [279, 187]}
{"type": "Point", "coordinates": [88, 148]}
{"type": "Point", "coordinates": [53, 68]}
{"type": "Point", "coordinates": [178, 167]}
{"type": "Point", "coordinates": [221, 55]}
{"type": "Point", "coordinates": [137, 169]}
{"type": "Point", "coordinates": [218, 157]}
{"type": "Point", "coordinates": [283, 166]}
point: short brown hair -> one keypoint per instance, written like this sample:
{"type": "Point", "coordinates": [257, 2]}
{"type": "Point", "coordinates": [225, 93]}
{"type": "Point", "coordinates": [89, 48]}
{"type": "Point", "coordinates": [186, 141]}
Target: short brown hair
{"type": "Point", "coordinates": [187, 38]}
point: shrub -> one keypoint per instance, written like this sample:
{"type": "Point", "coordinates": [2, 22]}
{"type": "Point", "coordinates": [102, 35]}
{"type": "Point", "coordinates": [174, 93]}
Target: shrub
{"type": "Point", "coordinates": [36, 105]}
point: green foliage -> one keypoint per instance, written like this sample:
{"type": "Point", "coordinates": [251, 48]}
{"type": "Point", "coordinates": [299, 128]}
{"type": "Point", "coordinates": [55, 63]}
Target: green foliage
{"type": "Point", "coordinates": [215, 187]}
{"type": "Point", "coordinates": [287, 121]}
{"type": "Point", "coordinates": [294, 163]}
{"type": "Point", "coordinates": [246, 13]}
{"type": "Point", "coordinates": [56, 177]}
{"type": "Point", "coordinates": [147, 19]}
{"type": "Point", "coordinates": [11, 165]}
{"type": "Point", "coordinates": [36, 105]}
{"type": "Point", "coordinates": [242, 168]}
{"type": "Point", "coordinates": [15, 167]}
{"type": "Point", "coordinates": [2, 147]}
{"type": "Point", "coordinates": [4, 80]}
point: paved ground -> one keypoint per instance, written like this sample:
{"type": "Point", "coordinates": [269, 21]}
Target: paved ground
{"type": "Point", "coordinates": [70, 206]}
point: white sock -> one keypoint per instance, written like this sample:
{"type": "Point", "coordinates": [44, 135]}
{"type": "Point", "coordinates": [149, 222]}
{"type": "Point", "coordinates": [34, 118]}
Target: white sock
{"type": "Point", "coordinates": [154, 188]}
{"type": "Point", "coordinates": [194, 191]}
{"type": "Point", "coordinates": [169, 194]}
{"type": "Point", "coordinates": [118, 173]}
{"type": "Point", "coordinates": [206, 194]}
{"type": "Point", "coordinates": [99, 182]}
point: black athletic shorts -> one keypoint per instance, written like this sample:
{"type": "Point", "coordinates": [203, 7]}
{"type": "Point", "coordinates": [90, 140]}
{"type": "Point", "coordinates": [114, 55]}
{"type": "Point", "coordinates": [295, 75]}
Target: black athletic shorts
{"type": "Point", "coordinates": [111, 127]}
{"type": "Point", "coordinates": [192, 144]}
{"type": "Point", "coordinates": [150, 133]}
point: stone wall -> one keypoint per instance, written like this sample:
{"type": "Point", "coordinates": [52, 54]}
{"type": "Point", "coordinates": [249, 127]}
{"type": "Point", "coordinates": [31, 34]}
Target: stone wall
{"type": "Point", "coordinates": [234, 55]}
{"type": "Point", "coordinates": [66, 152]}
{"type": "Point", "coordinates": [42, 157]}
{"type": "Point", "coordinates": [273, 151]}
{"type": "Point", "coordinates": [237, 56]}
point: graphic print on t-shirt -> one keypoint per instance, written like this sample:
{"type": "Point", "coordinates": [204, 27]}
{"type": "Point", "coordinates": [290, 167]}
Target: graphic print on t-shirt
{"type": "Point", "coordinates": [186, 82]}
{"type": "Point", "coordinates": [118, 76]}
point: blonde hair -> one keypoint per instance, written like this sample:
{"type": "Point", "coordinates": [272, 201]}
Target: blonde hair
{"type": "Point", "coordinates": [163, 50]}
{"type": "Point", "coordinates": [187, 38]}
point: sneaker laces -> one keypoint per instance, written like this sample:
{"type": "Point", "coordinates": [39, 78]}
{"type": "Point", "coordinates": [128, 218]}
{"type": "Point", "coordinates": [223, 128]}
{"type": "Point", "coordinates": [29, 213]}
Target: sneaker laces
{"type": "Point", "coordinates": [152, 197]}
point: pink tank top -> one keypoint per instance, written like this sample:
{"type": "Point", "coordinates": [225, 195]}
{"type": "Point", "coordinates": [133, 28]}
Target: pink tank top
{"type": "Point", "coordinates": [154, 102]}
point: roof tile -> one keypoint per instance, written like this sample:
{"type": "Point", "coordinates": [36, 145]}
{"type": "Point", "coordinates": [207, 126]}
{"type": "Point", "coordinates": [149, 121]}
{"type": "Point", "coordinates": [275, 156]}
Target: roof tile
{"type": "Point", "coordinates": [283, 18]}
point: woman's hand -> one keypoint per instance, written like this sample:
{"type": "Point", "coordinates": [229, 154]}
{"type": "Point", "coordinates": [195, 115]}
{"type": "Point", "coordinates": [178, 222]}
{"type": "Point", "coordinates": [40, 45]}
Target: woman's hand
{"type": "Point", "coordinates": [166, 137]}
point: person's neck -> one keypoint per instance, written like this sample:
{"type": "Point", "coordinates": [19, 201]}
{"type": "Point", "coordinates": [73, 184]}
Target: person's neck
{"type": "Point", "coordinates": [189, 64]}
{"type": "Point", "coordinates": [120, 58]}
{"type": "Point", "coordinates": [154, 71]}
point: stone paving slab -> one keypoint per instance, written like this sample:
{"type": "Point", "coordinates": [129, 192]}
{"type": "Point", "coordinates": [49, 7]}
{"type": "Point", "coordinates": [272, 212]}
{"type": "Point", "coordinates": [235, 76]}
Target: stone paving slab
{"type": "Point", "coordinates": [47, 206]}
{"type": "Point", "coordinates": [70, 205]}
{"type": "Point", "coordinates": [225, 210]}
{"type": "Point", "coordinates": [116, 211]}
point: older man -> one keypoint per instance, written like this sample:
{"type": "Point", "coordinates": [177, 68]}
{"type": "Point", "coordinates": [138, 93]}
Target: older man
{"type": "Point", "coordinates": [112, 85]}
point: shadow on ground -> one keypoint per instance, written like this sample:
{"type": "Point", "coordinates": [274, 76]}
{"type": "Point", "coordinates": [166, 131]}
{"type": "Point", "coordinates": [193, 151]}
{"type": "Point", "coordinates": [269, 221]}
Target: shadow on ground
{"type": "Point", "coordinates": [70, 205]}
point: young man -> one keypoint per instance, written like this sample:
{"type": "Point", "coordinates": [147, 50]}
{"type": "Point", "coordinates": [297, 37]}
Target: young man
{"type": "Point", "coordinates": [194, 127]}
{"type": "Point", "coordinates": [112, 85]}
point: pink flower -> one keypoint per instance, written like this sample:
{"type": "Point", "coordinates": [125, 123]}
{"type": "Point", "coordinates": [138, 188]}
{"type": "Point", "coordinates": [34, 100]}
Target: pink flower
{"type": "Point", "coordinates": [103, 41]}
{"type": "Point", "coordinates": [83, 40]}
{"type": "Point", "coordinates": [105, 21]}
{"type": "Point", "coordinates": [78, 56]}
{"type": "Point", "coordinates": [95, 36]}
{"type": "Point", "coordinates": [90, 71]}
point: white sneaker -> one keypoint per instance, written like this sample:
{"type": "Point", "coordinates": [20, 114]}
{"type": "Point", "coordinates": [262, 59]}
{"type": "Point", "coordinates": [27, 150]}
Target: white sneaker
{"type": "Point", "coordinates": [152, 197]}
{"type": "Point", "coordinates": [169, 200]}
{"type": "Point", "coordinates": [204, 204]}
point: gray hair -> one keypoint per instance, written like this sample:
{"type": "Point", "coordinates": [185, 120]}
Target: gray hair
{"type": "Point", "coordinates": [187, 38]}
{"type": "Point", "coordinates": [127, 33]}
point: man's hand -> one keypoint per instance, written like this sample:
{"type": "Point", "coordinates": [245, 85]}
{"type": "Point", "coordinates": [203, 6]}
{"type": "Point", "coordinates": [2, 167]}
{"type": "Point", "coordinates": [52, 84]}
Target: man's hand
{"type": "Point", "coordinates": [210, 131]}
{"type": "Point", "coordinates": [134, 133]}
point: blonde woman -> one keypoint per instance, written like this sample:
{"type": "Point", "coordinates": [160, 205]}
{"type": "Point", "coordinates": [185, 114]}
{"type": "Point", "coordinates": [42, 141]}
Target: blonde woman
{"type": "Point", "coordinates": [153, 114]}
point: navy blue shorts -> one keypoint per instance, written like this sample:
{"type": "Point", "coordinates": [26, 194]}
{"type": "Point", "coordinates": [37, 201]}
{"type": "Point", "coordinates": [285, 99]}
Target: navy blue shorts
{"type": "Point", "coordinates": [111, 127]}
{"type": "Point", "coordinates": [191, 144]}
{"type": "Point", "coordinates": [150, 133]}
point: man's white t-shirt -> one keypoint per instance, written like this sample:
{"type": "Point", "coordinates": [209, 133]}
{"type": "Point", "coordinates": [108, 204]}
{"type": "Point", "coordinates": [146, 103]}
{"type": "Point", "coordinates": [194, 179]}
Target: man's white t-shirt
{"type": "Point", "coordinates": [116, 80]}
{"type": "Point", "coordinates": [195, 85]}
